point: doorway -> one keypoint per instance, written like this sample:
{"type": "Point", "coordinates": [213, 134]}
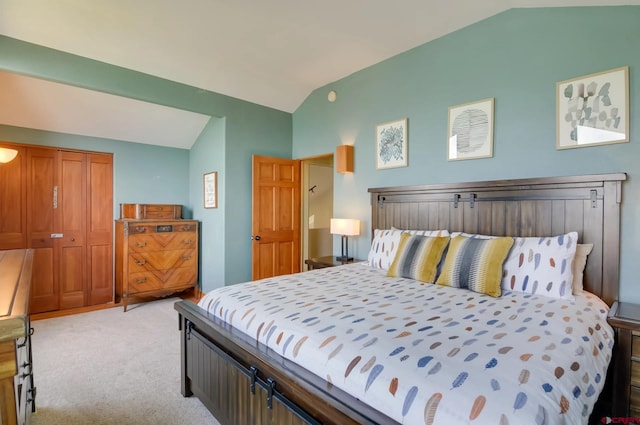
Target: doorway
{"type": "Point", "coordinates": [317, 207]}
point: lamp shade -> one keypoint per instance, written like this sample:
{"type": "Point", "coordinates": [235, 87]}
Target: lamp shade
{"type": "Point", "coordinates": [7, 154]}
{"type": "Point", "coordinates": [345, 226]}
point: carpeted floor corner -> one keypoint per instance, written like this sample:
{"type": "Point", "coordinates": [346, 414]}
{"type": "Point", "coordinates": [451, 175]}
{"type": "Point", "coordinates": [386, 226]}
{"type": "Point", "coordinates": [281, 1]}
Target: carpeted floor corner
{"type": "Point", "coordinates": [108, 367]}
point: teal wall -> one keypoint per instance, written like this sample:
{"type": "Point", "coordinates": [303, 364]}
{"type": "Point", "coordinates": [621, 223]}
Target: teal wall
{"type": "Point", "coordinates": [144, 173]}
{"type": "Point", "coordinates": [515, 57]}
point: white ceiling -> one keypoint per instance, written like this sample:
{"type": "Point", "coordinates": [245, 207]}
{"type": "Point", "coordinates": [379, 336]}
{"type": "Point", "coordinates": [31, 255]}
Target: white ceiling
{"type": "Point", "coordinates": [273, 53]}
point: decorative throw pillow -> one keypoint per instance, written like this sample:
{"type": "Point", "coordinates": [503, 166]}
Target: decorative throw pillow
{"type": "Point", "coordinates": [476, 264]}
{"type": "Point", "coordinates": [541, 265]}
{"type": "Point", "coordinates": [418, 257]}
{"type": "Point", "coordinates": [385, 244]}
{"type": "Point", "coordinates": [579, 263]}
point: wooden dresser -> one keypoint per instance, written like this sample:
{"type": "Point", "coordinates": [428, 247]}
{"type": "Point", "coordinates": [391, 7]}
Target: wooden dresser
{"type": "Point", "coordinates": [17, 392]}
{"type": "Point", "coordinates": [155, 257]}
{"type": "Point", "coordinates": [625, 318]}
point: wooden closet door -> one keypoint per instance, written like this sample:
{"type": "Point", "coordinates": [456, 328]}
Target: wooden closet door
{"type": "Point", "coordinates": [41, 179]}
{"type": "Point", "coordinates": [72, 224]}
{"type": "Point", "coordinates": [100, 228]}
{"type": "Point", "coordinates": [13, 201]}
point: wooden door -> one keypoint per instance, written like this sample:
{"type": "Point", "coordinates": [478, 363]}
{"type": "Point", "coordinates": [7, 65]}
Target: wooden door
{"type": "Point", "coordinates": [100, 228]}
{"type": "Point", "coordinates": [41, 180]}
{"type": "Point", "coordinates": [275, 217]}
{"type": "Point", "coordinates": [71, 226]}
{"type": "Point", "coordinates": [13, 201]}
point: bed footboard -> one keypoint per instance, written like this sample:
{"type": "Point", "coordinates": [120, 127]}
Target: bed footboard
{"type": "Point", "coordinates": [241, 381]}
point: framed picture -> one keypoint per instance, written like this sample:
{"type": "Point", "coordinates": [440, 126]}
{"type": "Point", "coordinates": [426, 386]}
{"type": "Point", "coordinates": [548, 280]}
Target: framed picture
{"type": "Point", "coordinates": [211, 190]}
{"type": "Point", "coordinates": [470, 130]}
{"type": "Point", "coordinates": [391, 144]}
{"type": "Point", "coordinates": [593, 110]}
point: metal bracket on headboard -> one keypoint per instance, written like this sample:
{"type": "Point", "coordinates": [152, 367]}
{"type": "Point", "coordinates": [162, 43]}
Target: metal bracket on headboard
{"type": "Point", "coordinates": [456, 199]}
{"type": "Point", "coordinates": [381, 200]}
{"type": "Point", "coordinates": [594, 199]}
{"type": "Point", "coordinates": [472, 200]}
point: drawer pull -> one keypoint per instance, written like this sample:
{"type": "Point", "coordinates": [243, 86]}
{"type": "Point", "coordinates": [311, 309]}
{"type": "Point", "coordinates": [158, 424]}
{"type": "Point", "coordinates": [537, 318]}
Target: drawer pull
{"type": "Point", "coordinates": [187, 241]}
{"type": "Point", "coordinates": [141, 244]}
{"type": "Point", "coordinates": [186, 257]}
{"type": "Point", "coordinates": [186, 228]}
{"type": "Point", "coordinates": [140, 280]}
{"type": "Point", "coordinates": [140, 263]}
{"type": "Point", "coordinates": [139, 229]}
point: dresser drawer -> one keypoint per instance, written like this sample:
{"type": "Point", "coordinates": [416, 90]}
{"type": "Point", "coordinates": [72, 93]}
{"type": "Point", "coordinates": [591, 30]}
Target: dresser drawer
{"type": "Point", "coordinates": [162, 260]}
{"type": "Point", "coordinates": [155, 280]}
{"type": "Point", "coordinates": [634, 399]}
{"type": "Point", "coordinates": [162, 241]}
{"type": "Point", "coordinates": [635, 344]}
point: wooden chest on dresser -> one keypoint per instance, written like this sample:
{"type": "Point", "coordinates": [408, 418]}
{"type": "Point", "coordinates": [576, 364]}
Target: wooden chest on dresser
{"type": "Point", "coordinates": [155, 258]}
{"type": "Point", "coordinates": [17, 392]}
{"type": "Point", "coordinates": [151, 211]}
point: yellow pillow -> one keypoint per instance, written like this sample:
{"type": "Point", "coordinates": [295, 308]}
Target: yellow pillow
{"type": "Point", "coordinates": [475, 264]}
{"type": "Point", "coordinates": [418, 257]}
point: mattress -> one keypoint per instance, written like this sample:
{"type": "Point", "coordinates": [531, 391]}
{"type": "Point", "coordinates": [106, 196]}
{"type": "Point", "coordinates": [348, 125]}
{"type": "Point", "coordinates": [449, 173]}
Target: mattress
{"type": "Point", "coordinates": [429, 354]}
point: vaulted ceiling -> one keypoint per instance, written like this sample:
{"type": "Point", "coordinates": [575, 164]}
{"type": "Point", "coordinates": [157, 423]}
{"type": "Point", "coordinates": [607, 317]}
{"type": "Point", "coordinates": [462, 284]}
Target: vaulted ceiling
{"type": "Point", "coordinates": [273, 53]}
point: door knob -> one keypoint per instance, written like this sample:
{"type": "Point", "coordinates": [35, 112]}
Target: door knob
{"type": "Point", "coordinates": [257, 238]}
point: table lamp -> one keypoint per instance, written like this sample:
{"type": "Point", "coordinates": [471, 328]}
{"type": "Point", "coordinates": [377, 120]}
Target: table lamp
{"type": "Point", "coordinates": [345, 227]}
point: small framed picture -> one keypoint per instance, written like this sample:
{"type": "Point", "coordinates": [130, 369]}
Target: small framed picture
{"type": "Point", "coordinates": [211, 190]}
{"type": "Point", "coordinates": [470, 130]}
{"type": "Point", "coordinates": [593, 110]}
{"type": "Point", "coordinates": [391, 144]}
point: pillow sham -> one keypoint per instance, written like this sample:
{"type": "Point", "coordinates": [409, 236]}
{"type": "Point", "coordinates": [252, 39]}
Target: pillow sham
{"type": "Point", "coordinates": [579, 263]}
{"type": "Point", "coordinates": [385, 244]}
{"type": "Point", "coordinates": [541, 265]}
{"type": "Point", "coordinates": [475, 264]}
{"type": "Point", "coordinates": [418, 257]}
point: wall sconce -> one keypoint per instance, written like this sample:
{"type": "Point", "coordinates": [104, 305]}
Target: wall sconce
{"type": "Point", "coordinates": [344, 159]}
{"type": "Point", "coordinates": [345, 227]}
{"type": "Point", "coordinates": [7, 155]}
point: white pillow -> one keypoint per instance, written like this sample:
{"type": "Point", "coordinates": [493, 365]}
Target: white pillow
{"type": "Point", "coordinates": [385, 245]}
{"type": "Point", "coordinates": [541, 265]}
{"type": "Point", "coordinates": [579, 263]}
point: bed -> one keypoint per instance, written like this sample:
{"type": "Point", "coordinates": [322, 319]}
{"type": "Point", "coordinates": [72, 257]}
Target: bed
{"type": "Point", "coordinates": [245, 380]}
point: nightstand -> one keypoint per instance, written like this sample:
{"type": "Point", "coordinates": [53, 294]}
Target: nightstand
{"type": "Point", "coordinates": [328, 261]}
{"type": "Point", "coordinates": [625, 318]}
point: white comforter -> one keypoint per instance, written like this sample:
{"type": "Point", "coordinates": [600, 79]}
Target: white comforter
{"type": "Point", "coordinates": [427, 354]}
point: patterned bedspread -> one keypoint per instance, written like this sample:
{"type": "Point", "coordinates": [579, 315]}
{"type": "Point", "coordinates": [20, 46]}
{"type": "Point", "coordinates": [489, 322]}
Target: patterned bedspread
{"type": "Point", "coordinates": [428, 354]}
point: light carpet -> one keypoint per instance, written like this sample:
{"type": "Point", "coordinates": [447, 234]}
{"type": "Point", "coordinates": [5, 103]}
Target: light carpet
{"type": "Point", "coordinates": [109, 367]}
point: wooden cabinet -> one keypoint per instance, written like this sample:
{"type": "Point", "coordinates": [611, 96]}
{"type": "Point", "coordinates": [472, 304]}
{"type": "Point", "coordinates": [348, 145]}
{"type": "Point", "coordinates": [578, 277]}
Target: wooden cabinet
{"type": "Point", "coordinates": [151, 211]}
{"type": "Point", "coordinates": [625, 318]}
{"type": "Point", "coordinates": [60, 204]}
{"type": "Point", "coordinates": [17, 391]}
{"type": "Point", "coordinates": [155, 257]}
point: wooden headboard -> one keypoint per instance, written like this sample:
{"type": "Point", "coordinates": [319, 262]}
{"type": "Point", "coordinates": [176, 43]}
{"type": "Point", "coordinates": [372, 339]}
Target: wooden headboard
{"type": "Point", "coordinates": [547, 206]}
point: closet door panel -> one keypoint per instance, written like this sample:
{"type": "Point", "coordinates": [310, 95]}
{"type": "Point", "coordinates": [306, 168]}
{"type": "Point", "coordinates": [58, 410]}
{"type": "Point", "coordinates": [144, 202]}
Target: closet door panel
{"type": "Point", "coordinates": [100, 228]}
{"type": "Point", "coordinates": [13, 201]}
{"type": "Point", "coordinates": [71, 216]}
{"type": "Point", "coordinates": [41, 197]}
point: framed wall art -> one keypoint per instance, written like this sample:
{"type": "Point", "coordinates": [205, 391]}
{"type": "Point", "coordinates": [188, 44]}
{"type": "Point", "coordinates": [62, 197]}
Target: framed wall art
{"type": "Point", "coordinates": [211, 190]}
{"type": "Point", "coordinates": [593, 110]}
{"type": "Point", "coordinates": [470, 130]}
{"type": "Point", "coordinates": [391, 144]}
